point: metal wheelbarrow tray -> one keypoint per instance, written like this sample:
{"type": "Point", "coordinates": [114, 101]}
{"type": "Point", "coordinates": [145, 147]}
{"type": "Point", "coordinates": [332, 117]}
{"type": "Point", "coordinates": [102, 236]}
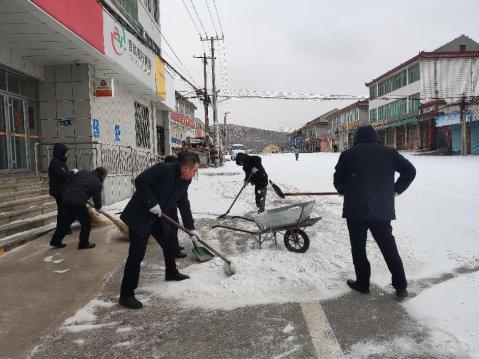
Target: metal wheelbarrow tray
{"type": "Point", "coordinates": [290, 219]}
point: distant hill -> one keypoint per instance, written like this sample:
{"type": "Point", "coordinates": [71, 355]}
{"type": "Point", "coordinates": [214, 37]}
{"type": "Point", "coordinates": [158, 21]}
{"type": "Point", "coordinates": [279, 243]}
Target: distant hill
{"type": "Point", "coordinates": [255, 139]}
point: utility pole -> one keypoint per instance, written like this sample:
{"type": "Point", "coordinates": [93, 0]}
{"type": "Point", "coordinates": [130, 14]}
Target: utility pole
{"type": "Point", "coordinates": [225, 132]}
{"type": "Point", "coordinates": [216, 139]}
{"type": "Point", "coordinates": [464, 125]}
{"type": "Point", "coordinates": [206, 99]}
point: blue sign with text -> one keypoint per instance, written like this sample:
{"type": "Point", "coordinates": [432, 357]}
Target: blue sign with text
{"type": "Point", "coordinates": [95, 128]}
{"type": "Point", "coordinates": [117, 133]}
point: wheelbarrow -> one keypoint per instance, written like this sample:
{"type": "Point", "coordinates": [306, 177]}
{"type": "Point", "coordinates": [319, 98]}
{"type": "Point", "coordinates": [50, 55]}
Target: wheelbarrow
{"type": "Point", "coordinates": [288, 220]}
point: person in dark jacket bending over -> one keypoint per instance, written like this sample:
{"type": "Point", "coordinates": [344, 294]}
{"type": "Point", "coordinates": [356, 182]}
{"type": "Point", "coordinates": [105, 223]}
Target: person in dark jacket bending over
{"type": "Point", "coordinates": [254, 174]}
{"type": "Point", "coordinates": [83, 186]}
{"type": "Point", "coordinates": [365, 176]}
{"type": "Point", "coordinates": [58, 177]}
{"type": "Point", "coordinates": [161, 188]}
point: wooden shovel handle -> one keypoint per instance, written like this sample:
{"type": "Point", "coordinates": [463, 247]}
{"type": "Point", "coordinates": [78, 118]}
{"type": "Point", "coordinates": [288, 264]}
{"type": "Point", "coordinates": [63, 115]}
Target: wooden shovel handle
{"type": "Point", "coordinates": [173, 222]}
{"type": "Point", "coordinates": [311, 194]}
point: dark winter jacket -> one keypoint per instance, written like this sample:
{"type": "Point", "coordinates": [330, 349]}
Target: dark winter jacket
{"type": "Point", "coordinates": [365, 176]}
{"type": "Point", "coordinates": [83, 186]}
{"type": "Point", "coordinates": [58, 173]}
{"type": "Point", "coordinates": [260, 178]}
{"type": "Point", "coordinates": [160, 184]}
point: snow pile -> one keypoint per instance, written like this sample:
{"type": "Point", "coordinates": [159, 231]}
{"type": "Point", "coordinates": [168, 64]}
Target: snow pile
{"type": "Point", "coordinates": [452, 306]}
{"type": "Point", "coordinates": [262, 276]}
{"type": "Point", "coordinates": [84, 318]}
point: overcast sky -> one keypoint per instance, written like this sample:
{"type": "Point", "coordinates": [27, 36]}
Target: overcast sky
{"type": "Point", "coordinates": [313, 46]}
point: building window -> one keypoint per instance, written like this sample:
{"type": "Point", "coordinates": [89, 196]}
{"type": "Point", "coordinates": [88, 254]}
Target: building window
{"type": "Point", "coordinates": [373, 91]}
{"type": "Point", "coordinates": [462, 48]}
{"type": "Point", "coordinates": [142, 125]}
{"type": "Point", "coordinates": [414, 102]}
{"type": "Point", "coordinates": [413, 73]}
{"type": "Point", "coordinates": [129, 8]}
{"type": "Point", "coordinates": [373, 115]}
{"type": "Point", "coordinates": [154, 9]}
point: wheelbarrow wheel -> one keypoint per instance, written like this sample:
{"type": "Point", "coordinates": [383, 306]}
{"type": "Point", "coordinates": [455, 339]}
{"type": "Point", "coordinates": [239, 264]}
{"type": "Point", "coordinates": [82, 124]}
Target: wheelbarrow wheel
{"type": "Point", "coordinates": [296, 240]}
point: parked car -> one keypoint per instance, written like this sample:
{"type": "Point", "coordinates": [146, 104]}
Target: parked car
{"type": "Point", "coordinates": [237, 148]}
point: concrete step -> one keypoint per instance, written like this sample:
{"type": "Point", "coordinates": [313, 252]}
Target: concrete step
{"type": "Point", "coordinates": [9, 206]}
{"type": "Point", "coordinates": [15, 240]}
{"type": "Point", "coordinates": [29, 193]}
{"type": "Point", "coordinates": [5, 188]}
{"type": "Point", "coordinates": [24, 213]}
{"type": "Point", "coordinates": [27, 224]}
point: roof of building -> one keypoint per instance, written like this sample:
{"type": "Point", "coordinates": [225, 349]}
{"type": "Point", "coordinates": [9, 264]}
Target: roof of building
{"type": "Point", "coordinates": [185, 100]}
{"type": "Point", "coordinates": [350, 107]}
{"type": "Point", "coordinates": [432, 55]}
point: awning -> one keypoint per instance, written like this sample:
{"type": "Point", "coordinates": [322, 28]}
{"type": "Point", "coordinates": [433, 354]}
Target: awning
{"type": "Point", "coordinates": [402, 120]}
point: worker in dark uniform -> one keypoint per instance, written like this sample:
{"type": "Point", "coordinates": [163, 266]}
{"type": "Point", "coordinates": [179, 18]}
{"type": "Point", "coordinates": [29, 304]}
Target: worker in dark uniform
{"type": "Point", "coordinates": [83, 186]}
{"type": "Point", "coordinates": [161, 188]}
{"type": "Point", "coordinates": [174, 230]}
{"type": "Point", "coordinates": [256, 175]}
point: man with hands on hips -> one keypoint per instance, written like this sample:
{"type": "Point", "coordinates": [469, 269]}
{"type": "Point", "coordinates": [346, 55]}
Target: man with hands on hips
{"type": "Point", "coordinates": [161, 188]}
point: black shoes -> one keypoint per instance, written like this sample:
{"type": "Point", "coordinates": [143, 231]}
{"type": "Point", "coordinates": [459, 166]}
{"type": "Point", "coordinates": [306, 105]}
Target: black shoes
{"type": "Point", "coordinates": [176, 276]}
{"type": "Point", "coordinates": [59, 245]}
{"type": "Point", "coordinates": [86, 246]}
{"type": "Point", "coordinates": [130, 302]}
{"type": "Point", "coordinates": [180, 254]}
{"type": "Point", "coordinates": [401, 293]}
{"type": "Point", "coordinates": [354, 286]}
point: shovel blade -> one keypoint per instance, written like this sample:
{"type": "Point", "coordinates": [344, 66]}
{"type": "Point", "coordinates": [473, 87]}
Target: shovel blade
{"type": "Point", "coordinates": [202, 254]}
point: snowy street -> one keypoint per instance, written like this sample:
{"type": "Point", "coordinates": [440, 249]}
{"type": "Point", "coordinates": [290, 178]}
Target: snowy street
{"type": "Point", "coordinates": [279, 304]}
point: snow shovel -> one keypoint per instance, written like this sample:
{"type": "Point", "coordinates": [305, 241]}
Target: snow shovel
{"type": "Point", "coordinates": [281, 194]}
{"type": "Point", "coordinates": [241, 190]}
{"type": "Point", "coordinates": [201, 253]}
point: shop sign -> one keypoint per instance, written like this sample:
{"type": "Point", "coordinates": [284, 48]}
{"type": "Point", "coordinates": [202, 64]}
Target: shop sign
{"type": "Point", "coordinates": [104, 88]}
{"type": "Point", "coordinates": [64, 122]}
{"type": "Point", "coordinates": [452, 119]}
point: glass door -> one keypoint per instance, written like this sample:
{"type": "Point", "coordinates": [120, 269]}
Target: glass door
{"type": "Point", "coordinates": [18, 134]}
{"type": "Point", "coordinates": [4, 162]}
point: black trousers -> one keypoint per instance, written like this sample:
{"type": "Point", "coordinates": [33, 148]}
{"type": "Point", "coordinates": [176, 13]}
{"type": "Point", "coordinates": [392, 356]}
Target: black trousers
{"type": "Point", "coordinates": [136, 253]}
{"type": "Point", "coordinates": [382, 234]}
{"type": "Point", "coordinates": [260, 195]}
{"type": "Point", "coordinates": [68, 215]}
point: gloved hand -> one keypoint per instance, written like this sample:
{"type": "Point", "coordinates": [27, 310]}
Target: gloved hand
{"type": "Point", "coordinates": [194, 233]}
{"type": "Point", "coordinates": [75, 171]}
{"type": "Point", "coordinates": [254, 170]}
{"type": "Point", "coordinates": [156, 210]}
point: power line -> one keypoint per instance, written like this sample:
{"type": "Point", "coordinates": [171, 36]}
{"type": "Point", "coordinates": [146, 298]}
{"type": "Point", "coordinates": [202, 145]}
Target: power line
{"type": "Point", "coordinates": [219, 20]}
{"type": "Point", "coordinates": [211, 17]}
{"type": "Point", "coordinates": [198, 16]}
{"type": "Point", "coordinates": [191, 17]}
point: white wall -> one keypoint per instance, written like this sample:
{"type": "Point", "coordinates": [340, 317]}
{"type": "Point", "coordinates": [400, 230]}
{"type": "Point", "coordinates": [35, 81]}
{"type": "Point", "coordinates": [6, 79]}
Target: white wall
{"type": "Point", "coordinates": [19, 63]}
{"type": "Point", "coordinates": [449, 77]}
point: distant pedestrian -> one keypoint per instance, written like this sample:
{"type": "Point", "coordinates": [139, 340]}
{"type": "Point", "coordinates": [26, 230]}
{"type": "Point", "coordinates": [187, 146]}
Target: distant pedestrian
{"type": "Point", "coordinates": [256, 175]}
{"type": "Point", "coordinates": [161, 188]}
{"type": "Point", "coordinates": [365, 176]}
{"type": "Point", "coordinates": [83, 186]}
{"type": "Point", "coordinates": [58, 177]}
{"type": "Point", "coordinates": [296, 153]}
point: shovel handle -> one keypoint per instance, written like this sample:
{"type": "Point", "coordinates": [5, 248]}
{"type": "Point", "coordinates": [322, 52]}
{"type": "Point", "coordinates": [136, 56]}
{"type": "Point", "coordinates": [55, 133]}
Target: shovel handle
{"type": "Point", "coordinates": [173, 222]}
{"type": "Point", "coordinates": [311, 194]}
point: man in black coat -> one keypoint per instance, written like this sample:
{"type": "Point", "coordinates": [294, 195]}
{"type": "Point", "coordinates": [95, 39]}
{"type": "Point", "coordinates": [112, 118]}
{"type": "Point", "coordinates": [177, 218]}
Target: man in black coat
{"type": "Point", "coordinates": [161, 188]}
{"type": "Point", "coordinates": [83, 186]}
{"type": "Point", "coordinates": [256, 175]}
{"type": "Point", "coordinates": [58, 177]}
{"type": "Point", "coordinates": [174, 230]}
{"type": "Point", "coordinates": [365, 176]}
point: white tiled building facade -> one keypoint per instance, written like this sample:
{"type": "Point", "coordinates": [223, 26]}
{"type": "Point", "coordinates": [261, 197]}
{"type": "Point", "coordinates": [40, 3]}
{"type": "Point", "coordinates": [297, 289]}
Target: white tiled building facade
{"type": "Point", "coordinates": [70, 51]}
